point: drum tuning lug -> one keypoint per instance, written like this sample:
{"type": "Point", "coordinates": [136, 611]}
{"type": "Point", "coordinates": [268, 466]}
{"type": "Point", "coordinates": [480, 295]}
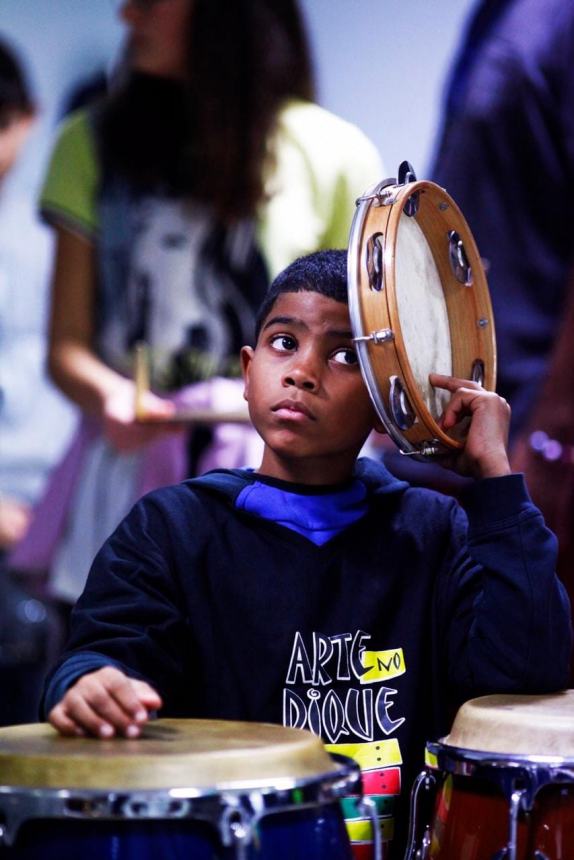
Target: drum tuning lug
{"type": "Point", "coordinates": [379, 196]}
{"type": "Point", "coordinates": [482, 322]}
{"type": "Point", "coordinates": [423, 783]}
{"type": "Point", "coordinates": [423, 852]}
{"type": "Point", "coordinates": [383, 335]}
{"type": "Point", "coordinates": [406, 173]}
{"type": "Point", "coordinates": [383, 195]}
{"type": "Point", "coordinates": [426, 449]}
{"type": "Point", "coordinates": [235, 828]}
{"type": "Point", "coordinates": [431, 449]}
{"type": "Point", "coordinates": [504, 854]}
{"type": "Point", "coordinates": [368, 808]}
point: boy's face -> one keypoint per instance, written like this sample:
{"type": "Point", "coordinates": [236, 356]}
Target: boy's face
{"type": "Point", "coordinates": [305, 392]}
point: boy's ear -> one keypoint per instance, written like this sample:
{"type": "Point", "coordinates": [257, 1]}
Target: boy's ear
{"type": "Point", "coordinates": [246, 357]}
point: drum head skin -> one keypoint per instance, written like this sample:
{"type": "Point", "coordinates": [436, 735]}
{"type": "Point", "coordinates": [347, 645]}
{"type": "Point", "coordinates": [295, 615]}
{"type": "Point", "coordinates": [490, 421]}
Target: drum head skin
{"type": "Point", "coordinates": [423, 313]}
{"type": "Point", "coordinates": [516, 725]}
{"type": "Point", "coordinates": [419, 303]}
{"type": "Point", "coordinates": [168, 754]}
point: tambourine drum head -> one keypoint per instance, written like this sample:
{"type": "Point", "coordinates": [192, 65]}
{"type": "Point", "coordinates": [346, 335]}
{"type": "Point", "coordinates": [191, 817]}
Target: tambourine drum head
{"type": "Point", "coordinates": [165, 795]}
{"type": "Point", "coordinates": [422, 312]}
{"type": "Point", "coordinates": [419, 304]}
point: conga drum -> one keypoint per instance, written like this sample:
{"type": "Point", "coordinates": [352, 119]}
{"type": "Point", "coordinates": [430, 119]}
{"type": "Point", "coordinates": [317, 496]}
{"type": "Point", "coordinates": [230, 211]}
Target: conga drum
{"type": "Point", "coordinates": [193, 789]}
{"type": "Point", "coordinates": [419, 304]}
{"type": "Point", "coordinates": [504, 782]}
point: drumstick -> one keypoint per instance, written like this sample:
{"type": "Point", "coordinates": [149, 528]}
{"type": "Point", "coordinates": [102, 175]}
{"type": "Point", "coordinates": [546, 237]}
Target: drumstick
{"type": "Point", "coordinates": [141, 378]}
{"type": "Point", "coordinates": [185, 416]}
{"type": "Point", "coordinates": [201, 416]}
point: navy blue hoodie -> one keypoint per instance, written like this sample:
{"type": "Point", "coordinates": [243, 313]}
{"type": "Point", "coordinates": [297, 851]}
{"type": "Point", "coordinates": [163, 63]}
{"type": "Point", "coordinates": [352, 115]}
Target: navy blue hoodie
{"type": "Point", "coordinates": [372, 639]}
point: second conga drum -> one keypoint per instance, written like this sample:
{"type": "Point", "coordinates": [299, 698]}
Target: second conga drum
{"type": "Point", "coordinates": [505, 782]}
{"type": "Point", "coordinates": [193, 789]}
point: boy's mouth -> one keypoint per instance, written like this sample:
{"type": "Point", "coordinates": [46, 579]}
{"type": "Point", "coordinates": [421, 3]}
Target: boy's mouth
{"type": "Point", "coordinates": [292, 408]}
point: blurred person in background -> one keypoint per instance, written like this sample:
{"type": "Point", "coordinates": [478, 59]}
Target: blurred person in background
{"type": "Point", "coordinates": [506, 154]}
{"type": "Point", "coordinates": [35, 420]}
{"type": "Point", "coordinates": [207, 170]}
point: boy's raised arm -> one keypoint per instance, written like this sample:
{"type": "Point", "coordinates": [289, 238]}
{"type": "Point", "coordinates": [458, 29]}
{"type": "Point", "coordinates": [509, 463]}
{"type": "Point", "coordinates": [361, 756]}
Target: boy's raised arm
{"type": "Point", "coordinates": [503, 615]}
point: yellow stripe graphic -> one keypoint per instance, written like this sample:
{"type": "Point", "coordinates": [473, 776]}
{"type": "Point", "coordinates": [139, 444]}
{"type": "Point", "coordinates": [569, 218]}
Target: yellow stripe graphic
{"type": "Point", "coordinates": [372, 755]}
{"type": "Point", "coordinates": [360, 831]}
{"type": "Point", "coordinates": [382, 665]}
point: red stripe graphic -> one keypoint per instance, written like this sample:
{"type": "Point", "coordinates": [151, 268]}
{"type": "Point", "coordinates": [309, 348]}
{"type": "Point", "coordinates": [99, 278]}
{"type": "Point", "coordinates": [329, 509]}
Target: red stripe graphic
{"type": "Point", "coordinates": [385, 781]}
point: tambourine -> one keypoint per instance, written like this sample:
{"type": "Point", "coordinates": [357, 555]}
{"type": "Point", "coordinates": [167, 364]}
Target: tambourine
{"type": "Point", "coordinates": [419, 304]}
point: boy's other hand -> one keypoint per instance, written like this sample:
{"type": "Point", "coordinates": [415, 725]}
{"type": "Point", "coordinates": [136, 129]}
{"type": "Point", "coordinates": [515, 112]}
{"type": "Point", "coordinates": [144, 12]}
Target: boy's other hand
{"type": "Point", "coordinates": [105, 703]}
{"type": "Point", "coordinates": [485, 451]}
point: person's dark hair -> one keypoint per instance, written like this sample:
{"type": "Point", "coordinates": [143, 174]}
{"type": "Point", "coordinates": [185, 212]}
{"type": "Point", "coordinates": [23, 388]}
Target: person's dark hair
{"type": "Point", "coordinates": [208, 137]}
{"type": "Point", "coordinates": [15, 98]}
{"type": "Point", "coordinates": [323, 272]}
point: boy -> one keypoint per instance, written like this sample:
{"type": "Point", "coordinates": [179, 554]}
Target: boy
{"type": "Point", "coordinates": [319, 591]}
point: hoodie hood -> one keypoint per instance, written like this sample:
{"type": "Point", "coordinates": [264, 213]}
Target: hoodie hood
{"type": "Point", "coordinates": [230, 483]}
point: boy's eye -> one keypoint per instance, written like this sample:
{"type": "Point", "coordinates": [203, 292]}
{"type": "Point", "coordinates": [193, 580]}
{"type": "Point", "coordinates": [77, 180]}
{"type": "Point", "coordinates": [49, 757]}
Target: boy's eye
{"type": "Point", "coordinates": [283, 342]}
{"type": "Point", "coordinates": [346, 356]}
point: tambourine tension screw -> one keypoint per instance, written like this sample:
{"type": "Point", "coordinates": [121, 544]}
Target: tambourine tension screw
{"type": "Point", "coordinates": [383, 335]}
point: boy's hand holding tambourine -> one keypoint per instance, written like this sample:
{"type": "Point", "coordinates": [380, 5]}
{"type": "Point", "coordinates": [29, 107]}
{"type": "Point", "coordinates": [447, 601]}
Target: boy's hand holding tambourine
{"type": "Point", "coordinates": [485, 453]}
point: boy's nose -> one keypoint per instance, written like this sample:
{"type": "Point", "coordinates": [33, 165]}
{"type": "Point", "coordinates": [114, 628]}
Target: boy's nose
{"type": "Point", "coordinates": [302, 375]}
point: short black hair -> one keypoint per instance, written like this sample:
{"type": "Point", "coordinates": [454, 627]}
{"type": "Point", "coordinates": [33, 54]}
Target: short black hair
{"type": "Point", "coordinates": [323, 272]}
{"type": "Point", "coordinates": [15, 96]}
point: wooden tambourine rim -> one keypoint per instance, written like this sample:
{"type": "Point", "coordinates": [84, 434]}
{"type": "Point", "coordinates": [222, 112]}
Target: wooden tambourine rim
{"type": "Point", "coordinates": [374, 311]}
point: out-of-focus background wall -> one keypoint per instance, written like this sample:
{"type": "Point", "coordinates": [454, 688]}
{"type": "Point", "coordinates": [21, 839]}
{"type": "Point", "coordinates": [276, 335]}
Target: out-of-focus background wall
{"type": "Point", "coordinates": [60, 44]}
{"type": "Point", "coordinates": [380, 63]}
